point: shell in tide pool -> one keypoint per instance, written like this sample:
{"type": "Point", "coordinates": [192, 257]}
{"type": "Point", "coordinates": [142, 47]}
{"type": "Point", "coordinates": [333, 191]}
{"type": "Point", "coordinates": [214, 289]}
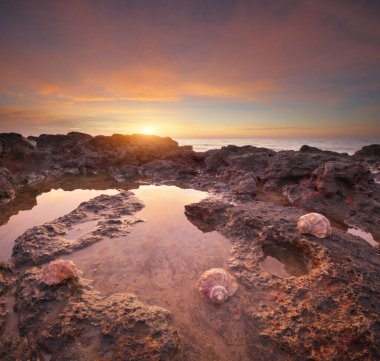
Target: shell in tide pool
{"type": "Point", "coordinates": [217, 285]}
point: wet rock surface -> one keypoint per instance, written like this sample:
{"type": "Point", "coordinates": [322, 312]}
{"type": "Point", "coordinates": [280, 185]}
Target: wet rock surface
{"type": "Point", "coordinates": [325, 307]}
{"type": "Point", "coordinates": [7, 188]}
{"type": "Point", "coordinates": [71, 321]}
{"type": "Point", "coordinates": [35, 159]}
{"type": "Point", "coordinates": [113, 217]}
{"type": "Point", "coordinates": [342, 190]}
{"type": "Point", "coordinates": [6, 279]}
{"type": "Point", "coordinates": [332, 312]}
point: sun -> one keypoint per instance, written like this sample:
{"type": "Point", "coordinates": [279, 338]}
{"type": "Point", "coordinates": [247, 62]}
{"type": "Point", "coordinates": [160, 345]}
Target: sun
{"type": "Point", "coordinates": [148, 131]}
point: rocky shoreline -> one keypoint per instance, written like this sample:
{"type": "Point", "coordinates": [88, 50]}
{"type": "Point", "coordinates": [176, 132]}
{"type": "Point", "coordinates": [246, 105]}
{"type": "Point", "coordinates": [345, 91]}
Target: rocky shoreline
{"type": "Point", "coordinates": [257, 195]}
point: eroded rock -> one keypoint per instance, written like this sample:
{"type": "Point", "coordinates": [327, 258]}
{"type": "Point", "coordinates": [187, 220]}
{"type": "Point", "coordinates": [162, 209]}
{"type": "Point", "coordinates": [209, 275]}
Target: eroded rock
{"type": "Point", "coordinates": [43, 243]}
{"type": "Point", "coordinates": [71, 321]}
{"type": "Point", "coordinates": [7, 186]}
{"type": "Point", "coordinates": [343, 191]}
{"type": "Point", "coordinates": [326, 308]}
{"type": "Point", "coordinates": [6, 280]}
{"type": "Point", "coordinates": [338, 292]}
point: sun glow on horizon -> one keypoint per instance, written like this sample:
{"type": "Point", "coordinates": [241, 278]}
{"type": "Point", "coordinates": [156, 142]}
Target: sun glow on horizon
{"type": "Point", "coordinates": [148, 131]}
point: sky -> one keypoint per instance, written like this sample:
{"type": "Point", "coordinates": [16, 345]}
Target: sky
{"type": "Point", "coordinates": [196, 68]}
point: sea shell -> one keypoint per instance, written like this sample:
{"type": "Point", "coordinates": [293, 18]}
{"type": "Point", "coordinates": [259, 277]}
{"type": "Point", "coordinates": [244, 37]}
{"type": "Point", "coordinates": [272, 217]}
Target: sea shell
{"type": "Point", "coordinates": [217, 285]}
{"type": "Point", "coordinates": [315, 224]}
{"type": "Point", "coordinates": [58, 271]}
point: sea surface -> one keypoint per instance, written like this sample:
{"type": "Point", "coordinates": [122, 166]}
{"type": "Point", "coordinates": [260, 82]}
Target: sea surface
{"type": "Point", "coordinates": [340, 145]}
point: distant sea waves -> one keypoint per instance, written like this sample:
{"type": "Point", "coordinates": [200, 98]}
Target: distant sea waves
{"type": "Point", "coordinates": [340, 145]}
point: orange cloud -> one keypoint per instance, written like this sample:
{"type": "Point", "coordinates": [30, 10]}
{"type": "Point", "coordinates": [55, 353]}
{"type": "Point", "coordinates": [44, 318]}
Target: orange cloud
{"type": "Point", "coordinates": [78, 58]}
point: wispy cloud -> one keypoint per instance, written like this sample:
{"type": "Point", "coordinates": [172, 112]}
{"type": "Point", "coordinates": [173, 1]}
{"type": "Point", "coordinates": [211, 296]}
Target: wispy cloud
{"type": "Point", "coordinates": [320, 55]}
{"type": "Point", "coordinates": [274, 128]}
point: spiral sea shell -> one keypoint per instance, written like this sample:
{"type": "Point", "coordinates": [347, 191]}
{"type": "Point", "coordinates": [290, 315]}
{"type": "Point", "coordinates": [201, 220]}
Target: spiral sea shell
{"type": "Point", "coordinates": [217, 285]}
{"type": "Point", "coordinates": [315, 224]}
{"type": "Point", "coordinates": [58, 271]}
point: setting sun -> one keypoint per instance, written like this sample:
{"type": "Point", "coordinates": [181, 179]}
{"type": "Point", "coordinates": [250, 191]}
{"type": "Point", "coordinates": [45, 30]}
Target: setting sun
{"type": "Point", "coordinates": [148, 131]}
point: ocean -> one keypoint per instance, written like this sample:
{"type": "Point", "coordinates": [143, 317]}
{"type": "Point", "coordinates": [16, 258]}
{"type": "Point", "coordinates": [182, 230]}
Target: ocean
{"type": "Point", "coordinates": [340, 145]}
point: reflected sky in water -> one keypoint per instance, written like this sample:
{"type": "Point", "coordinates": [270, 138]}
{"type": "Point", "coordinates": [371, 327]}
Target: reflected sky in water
{"type": "Point", "coordinates": [50, 206]}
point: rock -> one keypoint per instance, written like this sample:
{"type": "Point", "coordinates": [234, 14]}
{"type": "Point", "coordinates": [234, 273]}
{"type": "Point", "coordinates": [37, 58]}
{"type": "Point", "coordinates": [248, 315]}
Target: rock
{"type": "Point", "coordinates": [206, 218]}
{"type": "Point", "coordinates": [141, 147]}
{"type": "Point", "coordinates": [341, 178]}
{"type": "Point", "coordinates": [15, 146]}
{"type": "Point", "coordinates": [60, 320]}
{"type": "Point", "coordinates": [245, 185]}
{"type": "Point", "coordinates": [126, 174]}
{"type": "Point", "coordinates": [6, 280]}
{"type": "Point", "coordinates": [309, 149]}
{"type": "Point", "coordinates": [245, 158]}
{"type": "Point", "coordinates": [375, 170]}
{"type": "Point", "coordinates": [214, 161]}
{"type": "Point", "coordinates": [369, 154]}
{"type": "Point", "coordinates": [343, 191]}
{"type": "Point", "coordinates": [60, 141]}
{"type": "Point", "coordinates": [30, 160]}
{"type": "Point", "coordinates": [167, 170]}
{"type": "Point", "coordinates": [290, 166]}
{"type": "Point", "coordinates": [307, 310]}
{"type": "Point", "coordinates": [251, 159]}
{"type": "Point", "coordinates": [34, 177]}
{"type": "Point", "coordinates": [7, 187]}
{"type": "Point", "coordinates": [43, 243]}
{"type": "Point", "coordinates": [327, 308]}
{"type": "Point", "coordinates": [185, 155]}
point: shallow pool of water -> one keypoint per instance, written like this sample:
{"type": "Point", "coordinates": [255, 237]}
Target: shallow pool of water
{"type": "Point", "coordinates": [50, 206]}
{"type": "Point", "coordinates": [355, 231]}
{"type": "Point", "coordinates": [274, 266]}
{"type": "Point", "coordinates": [283, 262]}
{"type": "Point", "coordinates": [160, 261]}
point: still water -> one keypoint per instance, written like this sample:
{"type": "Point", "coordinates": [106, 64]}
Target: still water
{"type": "Point", "coordinates": [160, 261]}
{"type": "Point", "coordinates": [50, 205]}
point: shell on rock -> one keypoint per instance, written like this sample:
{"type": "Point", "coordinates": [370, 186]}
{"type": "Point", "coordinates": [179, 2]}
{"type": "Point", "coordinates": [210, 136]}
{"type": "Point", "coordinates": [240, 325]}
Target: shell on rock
{"type": "Point", "coordinates": [217, 285]}
{"type": "Point", "coordinates": [315, 224]}
{"type": "Point", "coordinates": [58, 271]}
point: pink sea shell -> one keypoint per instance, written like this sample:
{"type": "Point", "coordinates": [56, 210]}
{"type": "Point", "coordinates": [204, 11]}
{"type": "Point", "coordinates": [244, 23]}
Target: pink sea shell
{"type": "Point", "coordinates": [315, 224]}
{"type": "Point", "coordinates": [217, 285]}
{"type": "Point", "coordinates": [58, 271]}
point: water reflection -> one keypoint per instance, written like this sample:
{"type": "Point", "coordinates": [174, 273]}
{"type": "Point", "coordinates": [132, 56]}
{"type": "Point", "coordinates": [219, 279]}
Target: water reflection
{"type": "Point", "coordinates": [50, 206]}
{"type": "Point", "coordinates": [283, 261]}
{"type": "Point", "coordinates": [160, 261]}
{"type": "Point", "coordinates": [274, 266]}
{"type": "Point", "coordinates": [355, 231]}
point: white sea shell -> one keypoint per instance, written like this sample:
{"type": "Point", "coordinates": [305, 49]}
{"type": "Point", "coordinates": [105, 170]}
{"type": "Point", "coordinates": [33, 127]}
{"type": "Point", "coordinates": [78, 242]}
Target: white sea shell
{"type": "Point", "coordinates": [315, 224]}
{"type": "Point", "coordinates": [58, 271]}
{"type": "Point", "coordinates": [217, 285]}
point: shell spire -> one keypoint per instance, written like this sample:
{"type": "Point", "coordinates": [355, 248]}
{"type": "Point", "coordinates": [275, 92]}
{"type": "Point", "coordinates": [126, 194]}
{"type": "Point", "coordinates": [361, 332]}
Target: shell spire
{"type": "Point", "coordinates": [58, 271]}
{"type": "Point", "coordinates": [217, 285]}
{"type": "Point", "coordinates": [315, 224]}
